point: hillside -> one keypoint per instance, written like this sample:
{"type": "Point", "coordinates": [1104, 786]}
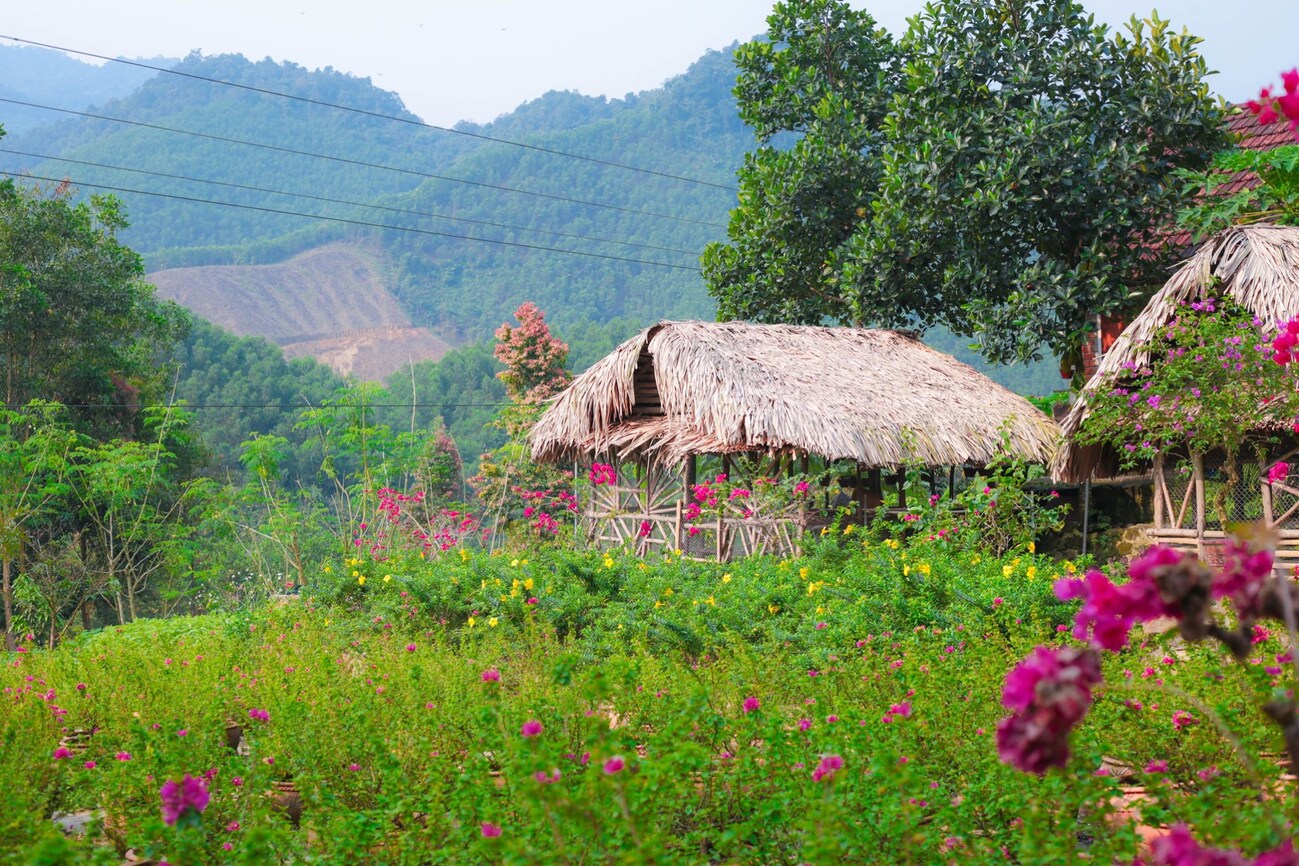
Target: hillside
{"type": "Point", "coordinates": [45, 77]}
{"type": "Point", "coordinates": [590, 243]}
{"type": "Point", "coordinates": [329, 303]}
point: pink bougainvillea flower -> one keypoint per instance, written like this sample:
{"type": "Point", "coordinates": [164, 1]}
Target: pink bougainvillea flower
{"type": "Point", "coordinates": [490, 830]}
{"type": "Point", "coordinates": [1049, 693]}
{"type": "Point", "coordinates": [547, 778]}
{"type": "Point", "coordinates": [60, 753]}
{"type": "Point", "coordinates": [259, 715]}
{"type": "Point", "coordinates": [751, 704]}
{"type": "Point", "coordinates": [1157, 767]}
{"type": "Point", "coordinates": [1278, 472]}
{"type": "Point", "coordinates": [491, 675]}
{"type": "Point", "coordinates": [531, 728]}
{"type": "Point", "coordinates": [179, 798]}
{"type": "Point", "coordinates": [1183, 720]}
{"type": "Point", "coordinates": [410, 647]}
{"type": "Point", "coordinates": [1179, 848]}
{"type": "Point", "coordinates": [1245, 570]}
{"type": "Point", "coordinates": [90, 765]}
{"type": "Point", "coordinates": [830, 764]}
{"type": "Point", "coordinates": [614, 765]}
{"type": "Point", "coordinates": [123, 756]}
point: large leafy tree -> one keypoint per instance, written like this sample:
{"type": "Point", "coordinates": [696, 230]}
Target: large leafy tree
{"type": "Point", "coordinates": [78, 324]}
{"type": "Point", "coordinates": [1025, 176]}
{"type": "Point", "coordinates": [824, 74]}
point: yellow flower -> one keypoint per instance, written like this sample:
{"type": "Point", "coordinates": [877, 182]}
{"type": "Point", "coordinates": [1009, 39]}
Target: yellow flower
{"type": "Point", "coordinates": [695, 603]}
{"type": "Point", "coordinates": [847, 530]}
{"type": "Point", "coordinates": [820, 609]}
{"type": "Point", "coordinates": [773, 609]}
{"type": "Point", "coordinates": [726, 578]}
{"type": "Point", "coordinates": [464, 555]}
{"type": "Point", "coordinates": [356, 574]}
{"type": "Point", "coordinates": [677, 551]}
{"type": "Point", "coordinates": [493, 622]}
{"type": "Point", "coordinates": [1031, 571]}
{"type": "Point", "coordinates": [975, 560]}
{"type": "Point", "coordinates": [1007, 570]}
{"type": "Point", "coordinates": [328, 621]}
{"type": "Point", "coordinates": [825, 530]}
{"type": "Point", "coordinates": [525, 561]}
{"type": "Point", "coordinates": [361, 580]}
{"type": "Point", "coordinates": [608, 562]}
{"type": "Point", "coordinates": [514, 563]}
{"type": "Point", "coordinates": [1070, 567]}
{"type": "Point", "coordinates": [924, 569]}
{"type": "Point", "coordinates": [892, 543]}
{"type": "Point", "coordinates": [328, 569]}
{"type": "Point", "coordinates": [803, 572]}
{"type": "Point", "coordinates": [1032, 547]}
{"type": "Point", "coordinates": [657, 605]}
{"type": "Point", "coordinates": [906, 569]}
{"type": "Point", "coordinates": [472, 622]}
{"type": "Point", "coordinates": [527, 584]}
{"type": "Point", "coordinates": [667, 591]}
{"type": "Point", "coordinates": [712, 601]}
{"type": "Point", "coordinates": [387, 578]}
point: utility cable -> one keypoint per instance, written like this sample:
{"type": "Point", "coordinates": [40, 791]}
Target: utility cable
{"type": "Point", "coordinates": [325, 199]}
{"type": "Point", "coordinates": [518, 244]}
{"type": "Point", "coordinates": [413, 121]}
{"type": "Point", "coordinates": [359, 163]}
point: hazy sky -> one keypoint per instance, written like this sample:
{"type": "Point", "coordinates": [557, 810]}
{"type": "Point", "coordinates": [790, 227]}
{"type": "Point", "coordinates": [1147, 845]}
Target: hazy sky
{"type": "Point", "coordinates": [454, 60]}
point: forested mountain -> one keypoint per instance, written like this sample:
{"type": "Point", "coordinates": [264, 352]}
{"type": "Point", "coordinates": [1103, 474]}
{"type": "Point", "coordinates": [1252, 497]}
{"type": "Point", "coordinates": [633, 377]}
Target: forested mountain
{"type": "Point", "coordinates": [44, 77]}
{"type": "Point", "coordinates": [460, 289]}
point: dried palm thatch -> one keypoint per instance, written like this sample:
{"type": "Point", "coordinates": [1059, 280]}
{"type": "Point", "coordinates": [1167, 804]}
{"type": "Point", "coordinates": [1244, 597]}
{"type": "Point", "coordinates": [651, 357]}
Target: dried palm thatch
{"type": "Point", "coordinates": [875, 396]}
{"type": "Point", "coordinates": [1255, 266]}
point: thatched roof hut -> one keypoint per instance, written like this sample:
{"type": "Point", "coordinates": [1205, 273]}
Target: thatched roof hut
{"type": "Point", "coordinates": [1255, 266]}
{"type": "Point", "coordinates": [878, 397]}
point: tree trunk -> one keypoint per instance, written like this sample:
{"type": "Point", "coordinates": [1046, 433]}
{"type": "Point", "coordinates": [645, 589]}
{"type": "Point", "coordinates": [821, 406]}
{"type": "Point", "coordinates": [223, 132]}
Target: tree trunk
{"type": "Point", "coordinates": [8, 592]}
{"type": "Point", "coordinates": [86, 620]}
{"type": "Point", "coordinates": [130, 596]}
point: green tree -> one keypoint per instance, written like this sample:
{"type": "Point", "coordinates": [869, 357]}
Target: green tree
{"type": "Point", "coordinates": [78, 324]}
{"type": "Point", "coordinates": [826, 73]}
{"type": "Point", "coordinates": [1026, 176]}
{"type": "Point", "coordinates": [35, 446]}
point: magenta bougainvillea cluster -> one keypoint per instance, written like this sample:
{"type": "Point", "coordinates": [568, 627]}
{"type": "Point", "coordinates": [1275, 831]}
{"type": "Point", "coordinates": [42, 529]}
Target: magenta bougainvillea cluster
{"type": "Point", "coordinates": [542, 506]}
{"type": "Point", "coordinates": [405, 524]}
{"type": "Point", "coordinates": [1271, 108]}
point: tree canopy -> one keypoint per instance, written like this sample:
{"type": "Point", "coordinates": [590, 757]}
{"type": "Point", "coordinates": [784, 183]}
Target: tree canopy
{"type": "Point", "coordinates": [1007, 171]}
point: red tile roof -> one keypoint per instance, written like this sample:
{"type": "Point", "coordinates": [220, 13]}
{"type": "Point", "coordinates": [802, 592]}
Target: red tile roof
{"type": "Point", "coordinates": [1252, 136]}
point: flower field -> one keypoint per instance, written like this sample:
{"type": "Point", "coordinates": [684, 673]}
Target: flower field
{"type": "Point", "coordinates": [592, 708]}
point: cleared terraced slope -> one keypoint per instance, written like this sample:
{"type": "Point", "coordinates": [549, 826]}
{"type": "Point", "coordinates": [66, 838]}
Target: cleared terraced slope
{"type": "Point", "coordinates": [330, 303]}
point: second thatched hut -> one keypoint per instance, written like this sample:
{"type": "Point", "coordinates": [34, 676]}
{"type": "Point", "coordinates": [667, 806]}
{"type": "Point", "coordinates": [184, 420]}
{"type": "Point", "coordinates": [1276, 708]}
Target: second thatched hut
{"type": "Point", "coordinates": [1257, 268]}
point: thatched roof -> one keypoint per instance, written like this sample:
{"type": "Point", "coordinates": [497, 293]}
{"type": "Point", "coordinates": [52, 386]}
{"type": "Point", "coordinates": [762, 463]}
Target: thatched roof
{"type": "Point", "coordinates": [879, 397]}
{"type": "Point", "coordinates": [1255, 266]}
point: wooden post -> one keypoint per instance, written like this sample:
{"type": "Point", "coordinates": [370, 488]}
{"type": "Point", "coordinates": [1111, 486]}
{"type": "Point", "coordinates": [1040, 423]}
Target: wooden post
{"type": "Point", "coordinates": [951, 482]}
{"type": "Point", "coordinates": [1197, 461]}
{"type": "Point", "coordinates": [1269, 517]}
{"type": "Point", "coordinates": [1158, 470]}
{"type": "Point", "coordinates": [859, 493]}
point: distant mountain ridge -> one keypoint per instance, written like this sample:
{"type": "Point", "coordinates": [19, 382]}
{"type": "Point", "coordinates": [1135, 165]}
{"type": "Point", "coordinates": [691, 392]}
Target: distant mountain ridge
{"type": "Point", "coordinates": [459, 290]}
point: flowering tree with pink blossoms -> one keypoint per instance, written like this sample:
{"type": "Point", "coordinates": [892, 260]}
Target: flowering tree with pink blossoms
{"type": "Point", "coordinates": [509, 484]}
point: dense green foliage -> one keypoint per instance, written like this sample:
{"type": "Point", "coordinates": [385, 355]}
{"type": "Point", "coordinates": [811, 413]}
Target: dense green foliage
{"type": "Point", "coordinates": [1056, 139]}
{"type": "Point", "coordinates": [382, 713]}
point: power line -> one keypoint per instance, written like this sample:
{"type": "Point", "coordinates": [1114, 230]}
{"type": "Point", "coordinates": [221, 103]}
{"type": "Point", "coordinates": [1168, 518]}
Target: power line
{"type": "Point", "coordinates": [284, 406]}
{"type": "Point", "coordinates": [360, 163]}
{"type": "Point", "coordinates": [376, 114]}
{"type": "Point", "coordinates": [433, 214]}
{"type": "Point", "coordinates": [363, 223]}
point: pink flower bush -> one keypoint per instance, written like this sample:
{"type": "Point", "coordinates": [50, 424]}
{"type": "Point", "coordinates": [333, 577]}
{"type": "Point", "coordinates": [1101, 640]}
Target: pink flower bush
{"type": "Point", "coordinates": [259, 715]}
{"type": "Point", "coordinates": [189, 795]}
{"type": "Point", "coordinates": [1179, 848]}
{"type": "Point", "coordinates": [1278, 472]}
{"type": "Point", "coordinates": [531, 728]}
